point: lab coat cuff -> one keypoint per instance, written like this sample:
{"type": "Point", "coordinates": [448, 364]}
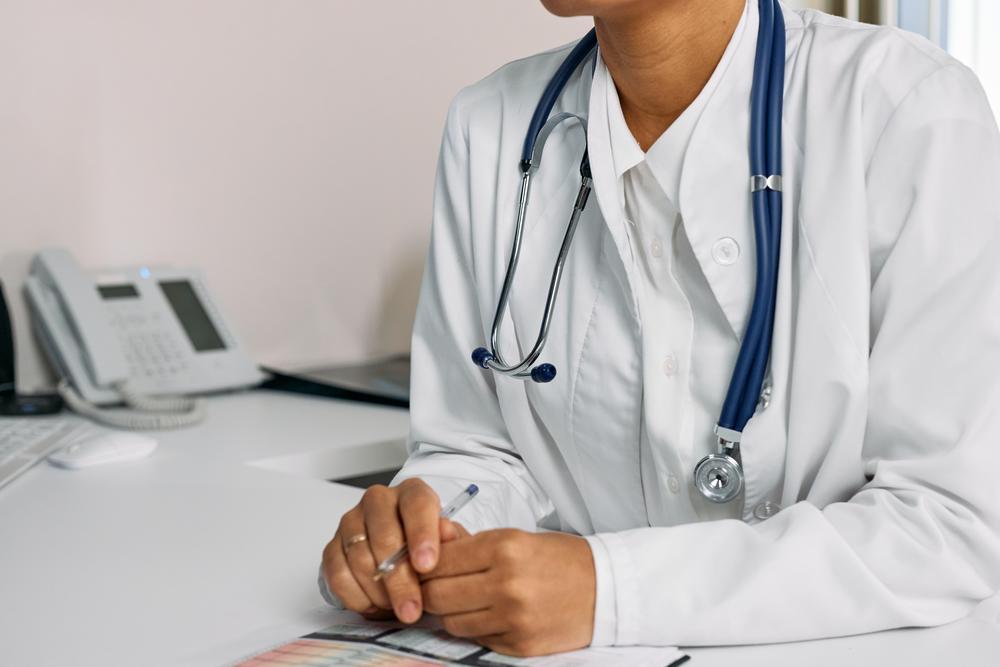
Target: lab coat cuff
{"type": "Point", "coordinates": [605, 618]}
{"type": "Point", "coordinates": [626, 593]}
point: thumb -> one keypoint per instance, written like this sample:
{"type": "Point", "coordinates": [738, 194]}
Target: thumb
{"type": "Point", "coordinates": [452, 530]}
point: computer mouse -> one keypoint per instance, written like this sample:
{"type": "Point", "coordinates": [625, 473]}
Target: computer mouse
{"type": "Point", "coordinates": [102, 447]}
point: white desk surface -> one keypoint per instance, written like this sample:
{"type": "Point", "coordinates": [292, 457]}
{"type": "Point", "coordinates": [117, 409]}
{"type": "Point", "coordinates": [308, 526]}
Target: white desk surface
{"type": "Point", "coordinates": [207, 551]}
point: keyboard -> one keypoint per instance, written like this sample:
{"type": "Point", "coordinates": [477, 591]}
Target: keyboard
{"type": "Point", "coordinates": [24, 441]}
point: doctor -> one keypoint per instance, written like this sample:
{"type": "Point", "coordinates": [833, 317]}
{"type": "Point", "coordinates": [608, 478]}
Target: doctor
{"type": "Point", "coordinates": [869, 463]}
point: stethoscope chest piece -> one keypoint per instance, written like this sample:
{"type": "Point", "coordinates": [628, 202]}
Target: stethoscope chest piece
{"type": "Point", "coordinates": [719, 478]}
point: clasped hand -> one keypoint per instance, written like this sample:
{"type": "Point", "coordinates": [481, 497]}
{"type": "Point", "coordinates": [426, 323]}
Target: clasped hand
{"type": "Point", "coordinates": [515, 592]}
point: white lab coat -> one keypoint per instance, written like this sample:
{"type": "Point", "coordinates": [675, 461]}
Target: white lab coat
{"type": "Point", "coordinates": [880, 440]}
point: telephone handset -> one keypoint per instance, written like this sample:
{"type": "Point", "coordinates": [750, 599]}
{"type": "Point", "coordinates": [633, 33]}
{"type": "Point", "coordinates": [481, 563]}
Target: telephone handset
{"type": "Point", "coordinates": [137, 336]}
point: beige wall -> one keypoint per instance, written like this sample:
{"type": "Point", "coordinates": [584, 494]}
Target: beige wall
{"type": "Point", "coordinates": [286, 147]}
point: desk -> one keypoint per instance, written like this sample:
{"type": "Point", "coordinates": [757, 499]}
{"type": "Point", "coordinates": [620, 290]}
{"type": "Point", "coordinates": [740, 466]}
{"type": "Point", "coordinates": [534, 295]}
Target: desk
{"type": "Point", "coordinates": [207, 551]}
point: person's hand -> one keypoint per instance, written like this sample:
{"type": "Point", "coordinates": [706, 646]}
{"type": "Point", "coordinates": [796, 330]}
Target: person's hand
{"type": "Point", "coordinates": [380, 524]}
{"type": "Point", "coordinates": [515, 592]}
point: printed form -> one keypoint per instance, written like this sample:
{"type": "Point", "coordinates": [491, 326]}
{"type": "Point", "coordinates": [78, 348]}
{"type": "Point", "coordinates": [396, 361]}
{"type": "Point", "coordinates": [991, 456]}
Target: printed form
{"type": "Point", "coordinates": [353, 642]}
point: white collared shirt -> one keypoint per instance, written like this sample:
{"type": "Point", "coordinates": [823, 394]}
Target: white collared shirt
{"type": "Point", "coordinates": [688, 347]}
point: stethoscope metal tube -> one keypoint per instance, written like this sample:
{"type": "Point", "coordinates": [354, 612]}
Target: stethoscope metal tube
{"type": "Point", "coordinates": [718, 476]}
{"type": "Point", "coordinates": [492, 359]}
{"type": "Point", "coordinates": [495, 361]}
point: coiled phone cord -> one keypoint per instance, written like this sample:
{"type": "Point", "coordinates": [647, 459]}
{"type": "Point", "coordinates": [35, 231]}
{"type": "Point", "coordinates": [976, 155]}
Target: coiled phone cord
{"type": "Point", "coordinates": [143, 413]}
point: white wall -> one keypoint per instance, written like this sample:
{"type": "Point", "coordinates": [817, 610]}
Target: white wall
{"type": "Point", "coordinates": [286, 147]}
{"type": "Point", "coordinates": [972, 25]}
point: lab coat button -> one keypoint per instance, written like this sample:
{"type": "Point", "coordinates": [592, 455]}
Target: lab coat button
{"type": "Point", "coordinates": [766, 510]}
{"type": "Point", "coordinates": [725, 251]}
{"type": "Point", "coordinates": [656, 248]}
{"type": "Point", "coordinates": [670, 366]}
{"type": "Point", "coordinates": [673, 484]}
{"type": "Point", "coordinates": [765, 397]}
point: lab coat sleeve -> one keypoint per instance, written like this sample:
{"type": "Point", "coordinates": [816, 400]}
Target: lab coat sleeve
{"type": "Point", "coordinates": [457, 433]}
{"type": "Point", "coordinates": [919, 544]}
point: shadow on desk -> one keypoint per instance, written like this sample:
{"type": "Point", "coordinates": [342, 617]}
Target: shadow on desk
{"type": "Point", "coordinates": [364, 481]}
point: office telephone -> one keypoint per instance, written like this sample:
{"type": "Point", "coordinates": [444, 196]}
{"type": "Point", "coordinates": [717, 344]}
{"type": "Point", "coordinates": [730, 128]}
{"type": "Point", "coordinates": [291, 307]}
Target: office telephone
{"type": "Point", "coordinates": [145, 337]}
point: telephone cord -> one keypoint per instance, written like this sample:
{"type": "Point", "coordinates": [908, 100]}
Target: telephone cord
{"type": "Point", "coordinates": [146, 413]}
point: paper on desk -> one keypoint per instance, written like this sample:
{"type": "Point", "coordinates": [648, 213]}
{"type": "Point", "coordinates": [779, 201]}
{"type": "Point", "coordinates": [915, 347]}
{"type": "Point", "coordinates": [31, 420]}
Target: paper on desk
{"type": "Point", "coordinates": [354, 642]}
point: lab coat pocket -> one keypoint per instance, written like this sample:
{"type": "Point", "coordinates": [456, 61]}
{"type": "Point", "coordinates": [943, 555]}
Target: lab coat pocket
{"type": "Point", "coordinates": [763, 450]}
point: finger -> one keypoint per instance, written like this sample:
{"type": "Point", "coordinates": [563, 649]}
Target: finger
{"type": "Point", "coordinates": [385, 535]}
{"type": "Point", "coordinates": [451, 530]}
{"type": "Point", "coordinates": [457, 595]}
{"type": "Point", "coordinates": [466, 556]}
{"type": "Point", "coordinates": [360, 559]}
{"type": "Point", "coordinates": [341, 581]}
{"type": "Point", "coordinates": [447, 530]}
{"type": "Point", "coordinates": [420, 509]}
{"type": "Point", "coordinates": [403, 588]}
{"type": "Point", "coordinates": [380, 516]}
{"type": "Point", "coordinates": [484, 623]}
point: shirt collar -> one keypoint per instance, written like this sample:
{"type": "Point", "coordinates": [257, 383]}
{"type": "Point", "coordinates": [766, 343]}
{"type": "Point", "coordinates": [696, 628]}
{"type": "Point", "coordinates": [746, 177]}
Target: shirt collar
{"type": "Point", "coordinates": [714, 172]}
{"type": "Point", "coordinates": [666, 156]}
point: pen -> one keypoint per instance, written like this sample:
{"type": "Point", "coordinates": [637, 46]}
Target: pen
{"type": "Point", "coordinates": [448, 511]}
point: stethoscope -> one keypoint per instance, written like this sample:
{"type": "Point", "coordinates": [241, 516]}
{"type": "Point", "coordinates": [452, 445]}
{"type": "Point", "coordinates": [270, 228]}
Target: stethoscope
{"type": "Point", "coordinates": [719, 476]}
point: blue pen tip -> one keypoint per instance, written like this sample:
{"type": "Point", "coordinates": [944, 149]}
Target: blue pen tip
{"type": "Point", "coordinates": [472, 490]}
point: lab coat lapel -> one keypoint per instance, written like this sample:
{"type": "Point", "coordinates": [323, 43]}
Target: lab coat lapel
{"type": "Point", "coordinates": [592, 409]}
{"type": "Point", "coordinates": [606, 440]}
{"type": "Point", "coordinates": [714, 188]}
{"type": "Point", "coordinates": [606, 182]}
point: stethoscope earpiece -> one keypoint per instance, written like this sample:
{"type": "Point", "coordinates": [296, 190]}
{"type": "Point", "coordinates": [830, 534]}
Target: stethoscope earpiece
{"type": "Point", "coordinates": [541, 373]}
{"type": "Point", "coordinates": [481, 357]}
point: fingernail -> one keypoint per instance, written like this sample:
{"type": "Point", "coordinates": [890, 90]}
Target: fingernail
{"type": "Point", "coordinates": [409, 612]}
{"type": "Point", "coordinates": [423, 558]}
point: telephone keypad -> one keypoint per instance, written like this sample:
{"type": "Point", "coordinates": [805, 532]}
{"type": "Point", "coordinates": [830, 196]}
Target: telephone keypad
{"type": "Point", "coordinates": [153, 355]}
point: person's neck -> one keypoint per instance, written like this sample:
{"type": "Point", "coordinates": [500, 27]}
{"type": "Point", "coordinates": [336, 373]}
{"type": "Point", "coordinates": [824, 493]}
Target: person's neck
{"type": "Point", "coordinates": [661, 57]}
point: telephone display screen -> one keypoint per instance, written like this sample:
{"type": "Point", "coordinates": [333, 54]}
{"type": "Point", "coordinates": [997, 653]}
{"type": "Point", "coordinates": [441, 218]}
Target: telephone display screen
{"type": "Point", "coordinates": [192, 315]}
{"type": "Point", "coordinates": [123, 291]}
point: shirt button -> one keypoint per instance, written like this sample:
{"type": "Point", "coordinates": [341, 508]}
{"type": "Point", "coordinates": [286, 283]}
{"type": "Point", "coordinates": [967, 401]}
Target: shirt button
{"type": "Point", "coordinates": [673, 484]}
{"type": "Point", "coordinates": [670, 366]}
{"type": "Point", "coordinates": [656, 248]}
{"type": "Point", "coordinates": [725, 251]}
{"type": "Point", "coordinates": [766, 510]}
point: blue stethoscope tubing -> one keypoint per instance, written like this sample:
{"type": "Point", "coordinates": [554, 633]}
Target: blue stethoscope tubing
{"type": "Point", "coordinates": [718, 476]}
{"type": "Point", "coordinates": [766, 99]}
